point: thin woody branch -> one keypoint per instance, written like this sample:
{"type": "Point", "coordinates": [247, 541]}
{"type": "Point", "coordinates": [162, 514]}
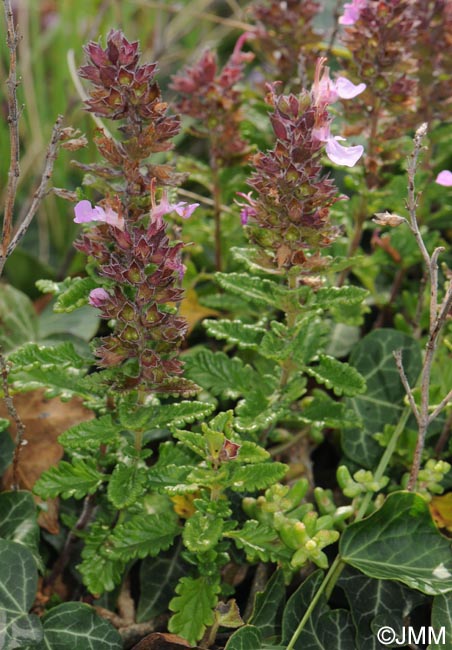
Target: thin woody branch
{"type": "Point", "coordinates": [398, 359]}
{"type": "Point", "coordinates": [12, 39]}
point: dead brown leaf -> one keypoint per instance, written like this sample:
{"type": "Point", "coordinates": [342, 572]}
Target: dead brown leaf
{"type": "Point", "coordinates": [44, 420]}
{"type": "Point", "coordinates": [162, 641]}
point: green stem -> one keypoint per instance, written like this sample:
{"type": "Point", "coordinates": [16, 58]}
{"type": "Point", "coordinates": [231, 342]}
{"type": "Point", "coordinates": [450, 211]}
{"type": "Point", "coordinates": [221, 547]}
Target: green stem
{"type": "Point", "coordinates": [216, 210]}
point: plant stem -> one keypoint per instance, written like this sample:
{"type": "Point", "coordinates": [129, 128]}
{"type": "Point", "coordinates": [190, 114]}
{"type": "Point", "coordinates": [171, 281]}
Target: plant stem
{"type": "Point", "coordinates": [216, 209]}
{"type": "Point", "coordinates": [20, 427]}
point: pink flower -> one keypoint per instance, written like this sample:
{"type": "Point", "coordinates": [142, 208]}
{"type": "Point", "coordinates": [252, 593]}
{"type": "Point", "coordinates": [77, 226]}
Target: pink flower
{"type": "Point", "coordinates": [248, 209]}
{"type": "Point", "coordinates": [98, 297]}
{"type": "Point", "coordinates": [444, 178]}
{"type": "Point", "coordinates": [338, 154]}
{"type": "Point", "coordinates": [85, 213]}
{"type": "Point", "coordinates": [352, 11]}
{"type": "Point", "coordinates": [183, 209]}
{"type": "Point", "coordinates": [326, 91]}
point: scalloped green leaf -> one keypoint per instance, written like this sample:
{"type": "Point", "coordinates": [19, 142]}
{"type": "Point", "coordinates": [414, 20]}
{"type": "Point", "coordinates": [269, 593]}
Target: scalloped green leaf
{"type": "Point", "coordinates": [70, 294]}
{"type": "Point", "coordinates": [143, 535]}
{"type": "Point", "coordinates": [400, 542]}
{"type": "Point", "coordinates": [337, 375]}
{"type": "Point", "coordinates": [18, 584]}
{"type": "Point", "coordinates": [250, 452]}
{"type": "Point", "coordinates": [256, 477]}
{"type": "Point", "coordinates": [176, 415]}
{"type": "Point", "coordinates": [327, 297]}
{"type": "Point", "coordinates": [259, 542]}
{"type": "Point", "coordinates": [76, 479]}
{"type": "Point", "coordinates": [202, 532]}
{"type": "Point", "coordinates": [91, 434]}
{"type": "Point", "coordinates": [245, 336]}
{"type": "Point", "coordinates": [58, 369]}
{"type": "Point", "coordinates": [383, 401]}
{"type": "Point", "coordinates": [194, 607]}
{"type": "Point", "coordinates": [78, 627]}
{"type": "Point", "coordinates": [100, 571]}
{"type": "Point", "coordinates": [126, 485]}
{"type": "Point", "coordinates": [260, 291]}
{"type": "Point", "coordinates": [220, 374]}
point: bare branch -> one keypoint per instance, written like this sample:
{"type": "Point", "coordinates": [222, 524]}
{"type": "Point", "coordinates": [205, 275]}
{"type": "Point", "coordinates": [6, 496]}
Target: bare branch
{"type": "Point", "coordinates": [397, 354]}
{"type": "Point", "coordinates": [444, 402]}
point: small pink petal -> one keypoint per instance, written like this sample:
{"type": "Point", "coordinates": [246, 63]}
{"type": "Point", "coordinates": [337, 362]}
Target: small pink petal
{"type": "Point", "coordinates": [352, 11]}
{"type": "Point", "coordinates": [347, 90]}
{"type": "Point", "coordinates": [84, 212]}
{"type": "Point", "coordinates": [340, 155]}
{"type": "Point", "coordinates": [444, 178]}
{"type": "Point", "coordinates": [183, 210]}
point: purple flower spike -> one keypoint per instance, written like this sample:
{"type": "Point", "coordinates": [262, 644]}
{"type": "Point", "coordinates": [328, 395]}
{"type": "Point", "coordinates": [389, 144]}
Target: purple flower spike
{"type": "Point", "coordinates": [352, 11]}
{"type": "Point", "coordinates": [340, 155]}
{"type": "Point", "coordinates": [98, 297]}
{"type": "Point", "coordinates": [444, 178]}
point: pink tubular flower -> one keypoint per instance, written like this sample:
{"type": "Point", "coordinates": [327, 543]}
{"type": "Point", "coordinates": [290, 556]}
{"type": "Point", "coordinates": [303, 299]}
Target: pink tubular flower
{"type": "Point", "coordinates": [248, 209]}
{"type": "Point", "coordinates": [352, 11]}
{"type": "Point", "coordinates": [338, 154]}
{"type": "Point", "coordinates": [85, 213]}
{"type": "Point", "coordinates": [98, 297]}
{"type": "Point", "coordinates": [183, 209]}
{"type": "Point", "coordinates": [326, 91]}
{"type": "Point", "coordinates": [444, 178]}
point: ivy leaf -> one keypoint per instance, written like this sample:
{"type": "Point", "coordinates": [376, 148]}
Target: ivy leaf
{"type": "Point", "coordinates": [256, 477]}
{"type": "Point", "coordinates": [6, 446]}
{"type": "Point", "coordinates": [194, 607]}
{"type": "Point", "coordinates": [89, 435]}
{"type": "Point", "coordinates": [76, 479]}
{"type": "Point", "coordinates": [142, 535]}
{"type": "Point", "coordinates": [400, 542]}
{"type": "Point", "coordinates": [246, 337]}
{"type": "Point", "coordinates": [383, 401]}
{"type": "Point", "coordinates": [78, 627]}
{"type": "Point", "coordinates": [219, 374]}
{"type": "Point", "coordinates": [340, 376]}
{"type": "Point", "coordinates": [385, 600]}
{"type": "Point", "coordinates": [126, 485]}
{"type": "Point", "coordinates": [268, 606]}
{"type": "Point", "coordinates": [58, 369]}
{"type": "Point", "coordinates": [18, 521]}
{"type": "Point", "coordinates": [158, 578]}
{"type": "Point", "coordinates": [247, 637]}
{"type": "Point", "coordinates": [202, 532]}
{"type": "Point", "coordinates": [441, 619]}
{"type": "Point", "coordinates": [70, 294]}
{"type": "Point", "coordinates": [259, 542]}
{"type": "Point", "coordinates": [18, 583]}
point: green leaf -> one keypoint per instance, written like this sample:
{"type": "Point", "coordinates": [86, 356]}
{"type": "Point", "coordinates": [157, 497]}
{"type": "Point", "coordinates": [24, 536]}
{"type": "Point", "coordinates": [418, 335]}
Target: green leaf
{"type": "Point", "coordinates": [383, 401]}
{"type": "Point", "coordinates": [220, 374]}
{"type": "Point", "coordinates": [18, 521]}
{"type": "Point", "coordinates": [247, 478]}
{"type": "Point", "coordinates": [326, 629]}
{"type": "Point", "coordinates": [247, 637]}
{"type": "Point", "coordinates": [18, 320]}
{"type": "Point", "coordinates": [143, 535]}
{"type": "Point", "coordinates": [57, 369]}
{"type": "Point", "coordinates": [89, 435]}
{"type": "Point", "coordinates": [193, 607]}
{"type": "Point", "coordinates": [441, 619]}
{"type": "Point", "coordinates": [340, 376]}
{"type": "Point", "coordinates": [246, 337]}
{"type": "Point", "coordinates": [100, 571]}
{"type": "Point", "coordinates": [400, 542]}
{"type": "Point", "coordinates": [82, 324]}
{"type": "Point", "coordinates": [368, 598]}
{"type": "Point", "coordinates": [267, 612]}
{"type": "Point", "coordinates": [158, 579]}
{"type": "Point", "coordinates": [76, 626]}
{"type": "Point", "coordinates": [263, 292]}
{"type": "Point", "coordinates": [126, 485]}
{"type": "Point", "coordinates": [71, 294]}
{"type": "Point", "coordinates": [18, 583]}
{"type": "Point", "coordinates": [176, 415]}
{"type": "Point", "coordinates": [328, 297]}
{"type": "Point", "coordinates": [76, 479]}
{"type": "Point", "coordinates": [202, 532]}
{"type": "Point", "coordinates": [250, 452]}
{"type": "Point", "coordinates": [259, 542]}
